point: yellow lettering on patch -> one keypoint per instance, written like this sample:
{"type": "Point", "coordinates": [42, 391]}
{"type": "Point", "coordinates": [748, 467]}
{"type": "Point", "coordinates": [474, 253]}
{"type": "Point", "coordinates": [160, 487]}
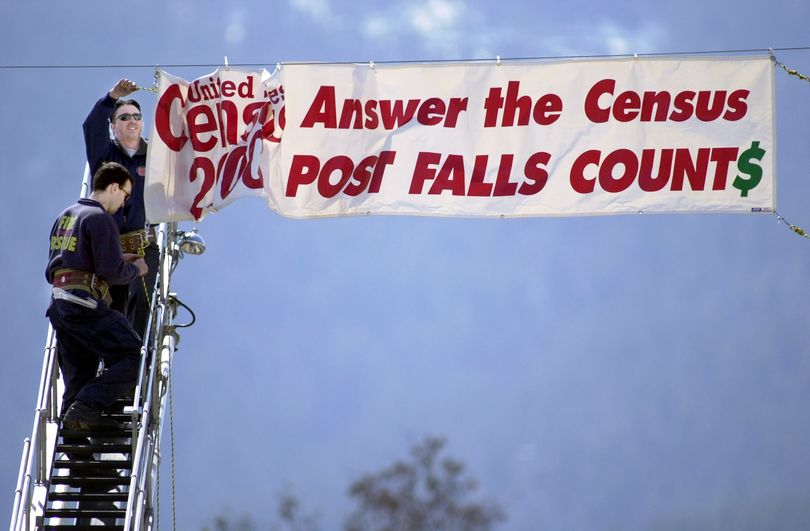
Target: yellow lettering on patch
{"type": "Point", "coordinates": [67, 222]}
{"type": "Point", "coordinates": [63, 243]}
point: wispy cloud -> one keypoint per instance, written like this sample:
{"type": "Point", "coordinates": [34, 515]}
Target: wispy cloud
{"type": "Point", "coordinates": [459, 29]}
{"type": "Point", "coordinates": [447, 28]}
{"type": "Point", "coordinates": [435, 16]}
{"type": "Point", "coordinates": [440, 24]}
{"type": "Point", "coordinates": [618, 40]}
{"type": "Point", "coordinates": [377, 27]}
{"type": "Point", "coordinates": [318, 10]}
{"type": "Point", "coordinates": [604, 37]}
{"type": "Point", "coordinates": [456, 29]}
{"type": "Point", "coordinates": [235, 29]}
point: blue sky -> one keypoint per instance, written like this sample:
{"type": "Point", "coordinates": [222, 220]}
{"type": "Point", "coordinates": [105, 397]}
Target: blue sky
{"type": "Point", "coordinates": [619, 372]}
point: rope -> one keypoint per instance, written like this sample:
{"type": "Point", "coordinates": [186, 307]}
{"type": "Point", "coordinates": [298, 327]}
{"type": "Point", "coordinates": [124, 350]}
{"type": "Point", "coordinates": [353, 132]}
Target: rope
{"type": "Point", "coordinates": [157, 509]}
{"type": "Point", "coordinates": [795, 228]}
{"type": "Point", "coordinates": [792, 72]}
{"type": "Point", "coordinates": [142, 254]}
{"type": "Point", "coordinates": [155, 86]}
{"type": "Point", "coordinates": [146, 291]}
{"type": "Point", "coordinates": [171, 432]}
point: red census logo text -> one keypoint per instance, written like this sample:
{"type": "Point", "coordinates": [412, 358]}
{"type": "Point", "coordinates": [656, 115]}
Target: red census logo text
{"type": "Point", "coordinates": [225, 122]}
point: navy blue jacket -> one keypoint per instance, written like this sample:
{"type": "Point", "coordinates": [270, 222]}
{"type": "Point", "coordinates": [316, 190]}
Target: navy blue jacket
{"type": "Point", "coordinates": [85, 237]}
{"type": "Point", "coordinates": [101, 148]}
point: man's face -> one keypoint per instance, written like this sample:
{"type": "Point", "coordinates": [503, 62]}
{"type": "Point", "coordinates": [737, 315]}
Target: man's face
{"type": "Point", "coordinates": [120, 194]}
{"type": "Point", "coordinates": [127, 125]}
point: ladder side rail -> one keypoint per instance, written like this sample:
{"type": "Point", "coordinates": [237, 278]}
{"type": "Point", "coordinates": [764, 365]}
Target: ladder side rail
{"type": "Point", "coordinates": [47, 410]}
{"type": "Point", "coordinates": [22, 494]}
{"type": "Point", "coordinates": [134, 480]}
{"type": "Point", "coordinates": [23, 479]}
{"type": "Point", "coordinates": [141, 447]}
{"type": "Point", "coordinates": [168, 348]}
{"type": "Point", "coordinates": [54, 399]}
{"type": "Point", "coordinates": [167, 345]}
{"type": "Point", "coordinates": [135, 410]}
{"type": "Point", "coordinates": [147, 350]}
{"type": "Point", "coordinates": [143, 451]}
{"type": "Point", "coordinates": [147, 498]}
{"type": "Point", "coordinates": [35, 449]}
{"type": "Point", "coordinates": [141, 444]}
{"type": "Point", "coordinates": [167, 342]}
{"type": "Point", "coordinates": [47, 402]}
{"type": "Point", "coordinates": [150, 327]}
{"type": "Point", "coordinates": [145, 442]}
{"type": "Point", "coordinates": [141, 498]}
{"type": "Point", "coordinates": [85, 190]}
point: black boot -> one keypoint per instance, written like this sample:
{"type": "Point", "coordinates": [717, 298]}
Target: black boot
{"type": "Point", "coordinates": [83, 417]}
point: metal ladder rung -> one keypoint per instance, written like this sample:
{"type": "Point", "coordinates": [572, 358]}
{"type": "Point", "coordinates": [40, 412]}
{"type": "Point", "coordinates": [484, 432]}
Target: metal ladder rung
{"type": "Point", "coordinates": [82, 496]}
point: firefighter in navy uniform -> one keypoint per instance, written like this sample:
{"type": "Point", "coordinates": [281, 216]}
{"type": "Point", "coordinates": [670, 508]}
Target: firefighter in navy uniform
{"type": "Point", "coordinates": [85, 259]}
{"type": "Point", "coordinates": [128, 148]}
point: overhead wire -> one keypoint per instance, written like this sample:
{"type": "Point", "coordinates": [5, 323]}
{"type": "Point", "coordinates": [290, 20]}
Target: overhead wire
{"type": "Point", "coordinates": [438, 61]}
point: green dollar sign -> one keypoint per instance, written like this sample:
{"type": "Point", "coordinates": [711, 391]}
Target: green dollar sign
{"type": "Point", "coordinates": [753, 170]}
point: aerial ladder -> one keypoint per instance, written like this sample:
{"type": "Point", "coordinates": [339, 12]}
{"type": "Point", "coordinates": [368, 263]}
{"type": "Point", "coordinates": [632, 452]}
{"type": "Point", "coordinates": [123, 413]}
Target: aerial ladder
{"type": "Point", "coordinates": [86, 480]}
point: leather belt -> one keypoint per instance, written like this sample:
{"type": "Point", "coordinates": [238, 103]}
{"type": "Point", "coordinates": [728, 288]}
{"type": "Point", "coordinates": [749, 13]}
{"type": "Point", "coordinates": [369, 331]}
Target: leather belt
{"type": "Point", "coordinates": [82, 280]}
{"type": "Point", "coordinates": [136, 241]}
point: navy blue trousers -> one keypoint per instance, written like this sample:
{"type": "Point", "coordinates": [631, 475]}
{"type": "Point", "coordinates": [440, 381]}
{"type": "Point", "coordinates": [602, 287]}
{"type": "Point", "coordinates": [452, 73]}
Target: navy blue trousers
{"type": "Point", "coordinates": [85, 336]}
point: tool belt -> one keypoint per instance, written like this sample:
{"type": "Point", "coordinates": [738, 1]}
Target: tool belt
{"type": "Point", "coordinates": [137, 240]}
{"type": "Point", "coordinates": [82, 280]}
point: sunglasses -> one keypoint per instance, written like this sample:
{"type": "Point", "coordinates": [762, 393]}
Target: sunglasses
{"type": "Point", "coordinates": [127, 117]}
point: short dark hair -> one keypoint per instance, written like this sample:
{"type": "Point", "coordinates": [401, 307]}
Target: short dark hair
{"type": "Point", "coordinates": [109, 173]}
{"type": "Point", "coordinates": [119, 103]}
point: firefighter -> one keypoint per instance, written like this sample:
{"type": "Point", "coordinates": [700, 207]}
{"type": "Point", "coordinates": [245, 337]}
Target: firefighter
{"type": "Point", "coordinates": [115, 112]}
{"type": "Point", "coordinates": [85, 259]}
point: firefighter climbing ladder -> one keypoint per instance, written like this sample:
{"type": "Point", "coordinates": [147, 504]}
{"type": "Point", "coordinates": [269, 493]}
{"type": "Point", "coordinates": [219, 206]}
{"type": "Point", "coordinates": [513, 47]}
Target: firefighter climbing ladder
{"type": "Point", "coordinates": [86, 480]}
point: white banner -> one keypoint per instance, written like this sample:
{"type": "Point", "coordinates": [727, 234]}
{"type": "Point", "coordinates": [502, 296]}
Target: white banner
{"type": "Point", "coordinates": [559, 138]}
{"type": "Point", "coordinates": [213, 141]}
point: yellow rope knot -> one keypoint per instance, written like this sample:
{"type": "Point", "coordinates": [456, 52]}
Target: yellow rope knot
{"type": "Point", "coordinates": [795, 228]}
{"type": "Point", "coordinates": [153, 88]}
{"type": "Point", "coordinates": [793, 72]}
{"type": "Point", "coordinates": [798, 230]}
